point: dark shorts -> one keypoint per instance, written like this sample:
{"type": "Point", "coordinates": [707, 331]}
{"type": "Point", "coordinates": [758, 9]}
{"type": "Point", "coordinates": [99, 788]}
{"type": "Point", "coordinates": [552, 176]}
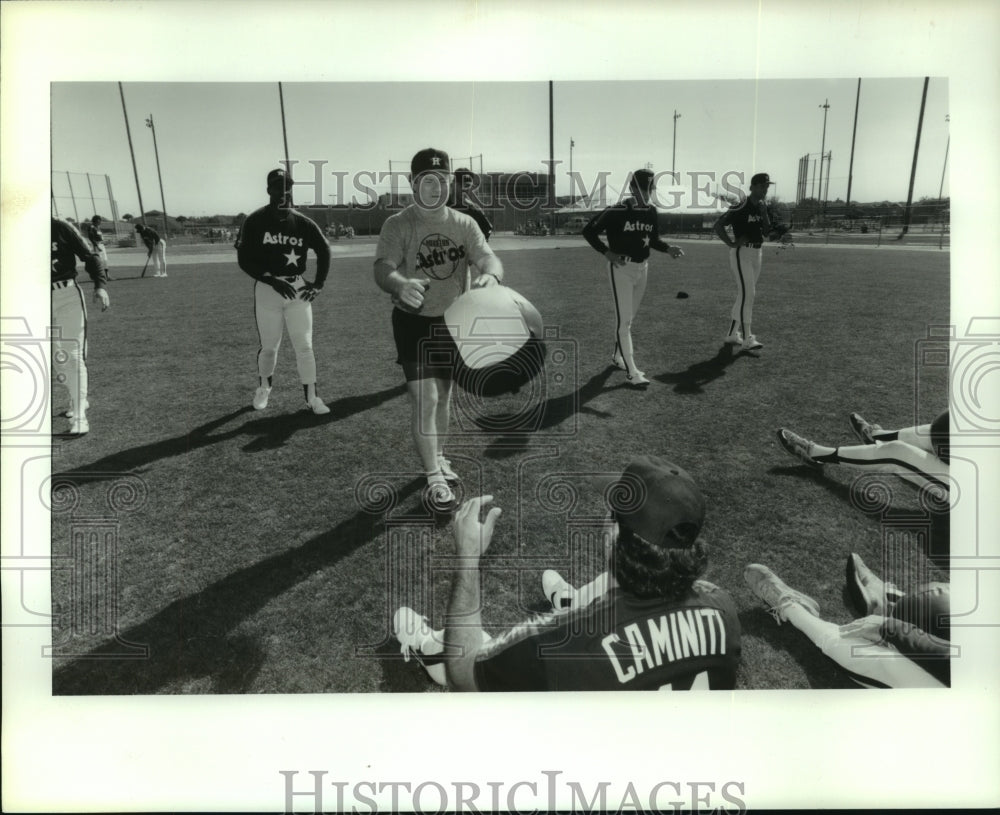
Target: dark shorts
{"type": "Point", "coordinates": [424, 346]}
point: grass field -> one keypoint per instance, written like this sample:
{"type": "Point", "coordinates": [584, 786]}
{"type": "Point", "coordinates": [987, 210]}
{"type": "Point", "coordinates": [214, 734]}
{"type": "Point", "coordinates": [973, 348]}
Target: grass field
{"type": "Point", "coordinates": [266, 552]}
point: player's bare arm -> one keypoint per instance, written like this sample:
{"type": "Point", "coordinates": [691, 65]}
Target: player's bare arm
{"type": "Point", "coordinates": [407, 290]}
{"type": "Point", "coordinates": [720, 230]}
{"type": "Point", "coordinates": [464, 626]}
{"type": "Point", "coordinates": [322, 250]}
{"type": "Point", "coordinates": [490, 272]}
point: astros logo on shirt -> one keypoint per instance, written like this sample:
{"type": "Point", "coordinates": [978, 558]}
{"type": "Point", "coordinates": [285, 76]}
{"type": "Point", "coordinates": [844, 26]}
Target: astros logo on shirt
{"type": "Point", "coordinates": [438, 256]}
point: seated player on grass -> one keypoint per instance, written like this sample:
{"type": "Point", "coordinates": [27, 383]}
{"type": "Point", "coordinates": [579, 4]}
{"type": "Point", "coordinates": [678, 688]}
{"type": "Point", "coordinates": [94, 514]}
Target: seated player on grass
{"type": "Point", "coordinates": [917, 454]}
{"type": "Point", "coordinates": [650, 623]}
{"type": "Point", "coordinates": [901, 642]}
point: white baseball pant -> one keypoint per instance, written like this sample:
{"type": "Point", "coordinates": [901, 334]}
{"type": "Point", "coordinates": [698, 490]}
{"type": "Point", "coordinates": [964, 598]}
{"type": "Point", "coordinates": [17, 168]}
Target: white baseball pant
{"type": "Point", "coordinates": [628, 285]}
{"type": "Point", "coordinates": [744, 261]}
{"type": "Point", "coordinates": [69, 341]}
{"type": "Point", "coordinates": [273, 313]}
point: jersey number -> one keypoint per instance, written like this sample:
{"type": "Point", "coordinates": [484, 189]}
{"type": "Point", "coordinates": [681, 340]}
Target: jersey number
{"type": "Point", "coordinates": [700, 682]}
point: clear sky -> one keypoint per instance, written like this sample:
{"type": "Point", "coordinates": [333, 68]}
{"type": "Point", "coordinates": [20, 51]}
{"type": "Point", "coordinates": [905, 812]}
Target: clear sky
{"type": "Point", "coordinates": [217, 140]}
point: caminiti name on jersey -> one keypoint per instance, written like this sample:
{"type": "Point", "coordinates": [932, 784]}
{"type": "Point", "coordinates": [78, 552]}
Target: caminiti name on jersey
{"type": "Point", "coordinates": [621, 642]}
{"type": "Point", "coordinates": [438, 250]}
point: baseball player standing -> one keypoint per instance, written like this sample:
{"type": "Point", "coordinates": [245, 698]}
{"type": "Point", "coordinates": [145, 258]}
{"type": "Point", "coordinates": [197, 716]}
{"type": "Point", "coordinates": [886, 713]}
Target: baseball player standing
{"type": "Point", "coordinates": [751, 225]}
{"type": "Point", "coordinates": [271, 248]}
{"type": "Point", "coordinates": [156, 248]}
{"type": "Point", "coordinates": [96, 237]}
{"type": "Point", "coordinates": [465, 183]}
{"type": "Point", "coordinates": [422, 260]}
{"type": "Point", "coordinates": [632, 230]}
{"type": "Point", "coordinates": [69, 315]}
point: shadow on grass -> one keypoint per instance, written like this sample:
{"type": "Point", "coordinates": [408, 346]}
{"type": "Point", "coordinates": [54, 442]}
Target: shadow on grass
{"type": "Point", "coordinates": [938, 549]}
{"type": "Point", "coordinates": [519, 430]}
{"type": "Point", "coordinates": [191, 638]}
{"type": "Point", "coordinates": [696, 376]}
{"type": "Point", "coordinates": [820, 671]}
{"type": "Point", "coordinates": [268, 433]}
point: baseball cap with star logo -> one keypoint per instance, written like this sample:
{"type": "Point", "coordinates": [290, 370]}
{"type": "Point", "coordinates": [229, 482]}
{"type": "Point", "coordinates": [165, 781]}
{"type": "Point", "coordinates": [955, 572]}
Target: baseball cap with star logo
{"type": "Point", "coordinates": [430, 159]}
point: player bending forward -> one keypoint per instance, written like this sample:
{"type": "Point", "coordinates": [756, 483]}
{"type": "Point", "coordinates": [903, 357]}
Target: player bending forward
{"type": "Point", "coordinates": [422, 260]}
{"type": "Point", "coordinates": [632, 230]}
{"type": "Point", "coordinates": [651, 625]}
{"type": "Point", "coordinates": [271, 248]}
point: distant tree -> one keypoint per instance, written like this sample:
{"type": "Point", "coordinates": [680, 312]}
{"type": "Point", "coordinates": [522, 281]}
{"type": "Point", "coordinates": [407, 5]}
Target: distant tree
{"type": "Point", "coordinates": [181, 219]}
{"type": "Point", "coordinates": [127, 217]}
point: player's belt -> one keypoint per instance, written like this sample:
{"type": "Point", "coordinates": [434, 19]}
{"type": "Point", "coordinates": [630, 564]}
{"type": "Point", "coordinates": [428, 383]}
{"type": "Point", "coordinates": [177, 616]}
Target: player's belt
{"type": "Point", "coordinates": [753, 245]}
{"type": "Point", "coordinates": [62, 284]}
{"type": "Point", "coordinates": [287, 277]}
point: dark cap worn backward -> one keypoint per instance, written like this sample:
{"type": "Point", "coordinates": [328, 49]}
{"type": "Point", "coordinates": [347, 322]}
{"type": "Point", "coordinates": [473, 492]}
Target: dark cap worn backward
{"type": "Point", "coordinates": [430, 159]}
{"type": "Point", "coordinates": [654, 498]}
{"type": "Point", "coordinates": [277, 178]}
{"type": "Point", "coordinates": [761, 178]}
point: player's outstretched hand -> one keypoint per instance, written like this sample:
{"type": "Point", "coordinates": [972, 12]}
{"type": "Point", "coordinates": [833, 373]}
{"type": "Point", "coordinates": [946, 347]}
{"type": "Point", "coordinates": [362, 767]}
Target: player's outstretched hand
{"type": "Point", "coordinates": [310, 292]}
{"type": "Point", "coordinates": [411, 293]}
{"type": "Point", "coordinates": [484, 280]}
{"type": "Point", "coordinates": [675, 252]}
{"type": "Point", "coordinates": [101, 298]}
{"type": "Point", "coordinates": [472, 538]}
{"type": "Point", "coordinates": [282, 287]}
{"type": "Point", "coordinates": [615, 259]}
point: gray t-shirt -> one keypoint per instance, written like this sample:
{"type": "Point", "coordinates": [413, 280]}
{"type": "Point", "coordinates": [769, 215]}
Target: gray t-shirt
{"type": "Point", "coordinates": [438, 251]}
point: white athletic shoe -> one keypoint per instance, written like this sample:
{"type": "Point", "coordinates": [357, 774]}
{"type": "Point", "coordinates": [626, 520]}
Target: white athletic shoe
{"type": "Point", "coordinates": [557, 591]}
{"type": "Point", "coordinates": [637, 379]}
{"type": "Point", "coordinates": [79, 426]}
{"type": "Point", "coordinates": [260, 397]}
{"type": "Point", "coordinates": [418, 641]}
{"type": "Point", "coordinates": [445, 467]}
{"type": "Point", "coordinates": [798, 446]}
{"type": "Point", "coordinates": [775, 594]}
{"type": "Point", "coordinates": [71, 413]}
{"type": "Point", "coordinates": [751, 343]}
{"type": "Point", "coordinates": [317, 406]}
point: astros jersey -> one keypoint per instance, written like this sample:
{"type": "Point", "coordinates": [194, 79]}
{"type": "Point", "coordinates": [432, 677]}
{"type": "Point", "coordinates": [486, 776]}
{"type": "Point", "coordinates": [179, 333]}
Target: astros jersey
{"type": "Point", "coordinates": [750, 221]}
{"type": "Point", "coordinates": [632, 230]}
{"type": "Point", "coordinates": [437, 251]}
{"type": "Point", "coordinates": [276, 241]}
{"type": "Point", "coordinates": [68, 245]}
{"type": "Point", "coordinates": [620, 642]}
{"type": "Point", "coordinates": [477, 215]}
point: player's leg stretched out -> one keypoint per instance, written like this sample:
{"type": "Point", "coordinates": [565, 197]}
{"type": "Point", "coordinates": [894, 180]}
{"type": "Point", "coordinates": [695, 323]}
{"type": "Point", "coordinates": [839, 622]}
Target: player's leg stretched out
{"type": "Point", "coordinates": [298, 319]}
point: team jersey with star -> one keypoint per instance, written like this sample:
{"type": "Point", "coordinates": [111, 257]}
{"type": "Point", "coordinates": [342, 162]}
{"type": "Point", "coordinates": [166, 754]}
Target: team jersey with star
{"type": "Point", "coordinates": [438, 251]}
{"type": "Point", "coordinates": [750, 221]}
{"type": "Point", "coordinates": [621, 642]}
{"type": "Point", "coordinates": [276, 242]}
{"type": "Point", "coordinates": [632, 230]}
{"type": "Point", "coordinates": [68, 245]}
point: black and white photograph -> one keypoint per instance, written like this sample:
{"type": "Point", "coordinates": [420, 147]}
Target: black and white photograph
{"type": "Point", "coordinates": [355, 387]}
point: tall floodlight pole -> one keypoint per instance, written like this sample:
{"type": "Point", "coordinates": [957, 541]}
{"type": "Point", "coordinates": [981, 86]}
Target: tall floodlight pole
{"type": "Point", "coordinates": [128, 132]}
{"type": "Point", "coordinates": [159, 177]}
{"type": "Point", "coordinates": [673, 160]}
{"type": "Point", "coordinates": [850, 169]}
{"type": "Point", "coordinates": [284, 132]}
{"type": "Point", "coordinates": [945, 167]}
{"type": "Point", "coordinates": [572, 197]}
{"type": "Point", "coordinates": [552, 163]}
{"type": "Point", "coordinates": [822, 155]}
{"type": "Point", "coordinates": [913, 170]}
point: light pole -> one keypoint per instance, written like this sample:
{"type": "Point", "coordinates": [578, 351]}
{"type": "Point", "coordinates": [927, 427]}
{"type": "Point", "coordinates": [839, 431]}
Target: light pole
{"type": "Point", "coordinates": [941, 188]}
{"type": "Point", "coordinates": [822, 153]}
{"type": "Point", "coordinates": [673, 160]}
{"type": "Point", "coordinates": [159, 177]}
{"type": "Point", "coordinates": [572, 144]}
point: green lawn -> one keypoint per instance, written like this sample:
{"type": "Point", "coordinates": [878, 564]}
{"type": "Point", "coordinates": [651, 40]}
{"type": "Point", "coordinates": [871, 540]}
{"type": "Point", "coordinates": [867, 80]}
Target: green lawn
{"type": "Point", "coordinates": [272, 547]}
